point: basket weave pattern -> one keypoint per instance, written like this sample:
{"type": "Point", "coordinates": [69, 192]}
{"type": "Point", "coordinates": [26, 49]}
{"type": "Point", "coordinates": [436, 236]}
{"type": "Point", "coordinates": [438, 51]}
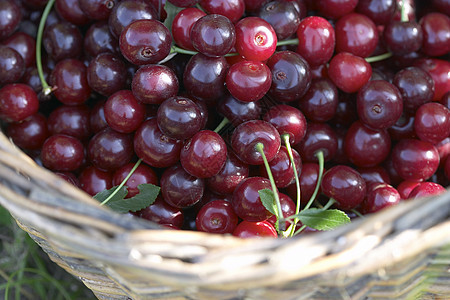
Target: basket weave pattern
{"type": "Point", "coordinates": [401, 252]}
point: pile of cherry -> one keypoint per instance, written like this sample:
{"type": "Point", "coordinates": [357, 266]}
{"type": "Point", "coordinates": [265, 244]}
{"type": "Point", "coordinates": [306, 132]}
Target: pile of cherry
{"type": "Point", "coordinates": [198, 96]}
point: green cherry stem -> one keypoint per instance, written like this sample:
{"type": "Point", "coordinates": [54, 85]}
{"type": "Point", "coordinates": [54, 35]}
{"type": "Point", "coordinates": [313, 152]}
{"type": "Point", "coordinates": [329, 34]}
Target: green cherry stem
{"type": "Point", "coordinates": [46, 89]}
{"type": "Point", "coordinates": [330, 202]}
{"type": "Point", "coordinates": [403, 13]}
{"type": "Point", "coordinates": [357, 213]}
{"type": "Point", "coordinates": [136, 165]}
{"type": "Point", "coordinates": [320, 158]}
{"type": "Point", "coordinates": [285, 138]}
{"type": "Point", "coordinates": [287, 42]}
{"type": "Point", "coordinates": [378, 57]}
{"type": "Point", "coordinates": [260, 149]}
{"type": "Point", "coordinates": [222, 124]}
{"type": "Point", "coordinates": [177, 49]}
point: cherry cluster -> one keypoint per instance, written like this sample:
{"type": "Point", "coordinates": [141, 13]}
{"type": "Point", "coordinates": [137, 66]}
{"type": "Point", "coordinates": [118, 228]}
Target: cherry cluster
{"type": "Point", "coordinates": [332, 103]}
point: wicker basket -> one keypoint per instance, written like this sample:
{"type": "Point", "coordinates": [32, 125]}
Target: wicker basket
{"type": "Point", "coordinates": [402, 252]}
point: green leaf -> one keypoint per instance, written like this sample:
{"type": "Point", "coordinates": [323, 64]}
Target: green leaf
{"type": "Point", "coordinates": [147, 195]}
{"type": "Point", "coordinates": [323, 219]}
{"type": "Point", "coordinates": [268, 200]}
{"type": "Point", "coordinates": [105, 194]}
{"type": "Point", "coordinates": [171, 11]}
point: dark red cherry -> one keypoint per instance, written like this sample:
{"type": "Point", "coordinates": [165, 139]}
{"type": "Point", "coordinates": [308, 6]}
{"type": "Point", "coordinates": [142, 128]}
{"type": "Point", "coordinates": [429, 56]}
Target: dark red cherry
{"type": "Point", "coordinates": [282, 168]}
{"type": "Point", "coordinates": [70, 11]}
{"type": "Point", "coordinates": [319, 137]}
{"type": "Point", "coordinates": [93, 180]}
{"type": "Point", "coordinates": [216, 216]}
{"type": "Point", "coordinates": [287, 120]}
{"type": "Point", "coordinates": [30, 133]}
{"type": "Point", "coordinates": [349, 72]}
{"type": "Point", "coordinates": [18, 101]}
{"type": "Point", "coordinates": [98, 39]}
{"type": "Point", "coordinates": [379, 11]}
{"type": "Point", "coordinates": [12, 65]}
{"type": "Point", "coordinates": [97, 119]}
{"type": "Point", "coordinates": [106, 74]}
{"type": "Point", "coordinates": [335, 9]}
{"type": "Point", "coordinates": [246, 201]}
{"type": "Point", "coordinates": [403, 37]}
{"type": "Point", "coordinates": [405, 188]}
{"type": "Point", "coordinates": [378, 197]}
{"type": "Point", "coordinates": [70, 120]}
{"type": "Point", "coordinates": [415, 159]}
{"type": "Point", "coordinates": [182, 25]}
{"type": "Point", "coordinates": [162, 213]}
{"type": "Point", "coordinates": [62, 153]}
{"type": "Point", "coordinates": [11, 17]}
{"type": "Point", "coordinates": [231, 174]}
{"type": "Point", "coordinates": [345, 185]}
{"type": "Point", "coordinates": [436, 34]}
{"type": "Point", "coordinates": [238, 112]}
{"type": "Point", "coordinates": [123, 112]}
{"type": "Point", "coordinates": [143, 174]}
{"type": "Point", "coordinates": [262, 229]}
{"type": "Point", "coordinates": [283, 16]}
{"type": "Point", "coordinates": [25, 45]}
{"type": "Point", "coordinates": [179, 188]}
{"type": "Point", "coordinates": [432, 122]}
{"type": "Point", "coordinates": [426, 189]}
{"type": "Point", "coordinates": [247, 135]}
{"type": "Point", "coordinates": [287, 207]}
{"type": "Point", "coordinates": [439, 71]}
{"type": "Point", "coordinates": [320, 102]}
{"type": "Point", "coordinates": [232, 9]}
{"type": "Point", "coordinates": [374, 174]}
{"type": "Point", "coordinates": [62, 40]}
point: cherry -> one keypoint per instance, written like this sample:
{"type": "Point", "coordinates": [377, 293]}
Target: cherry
{"type": "Point", "coordinates": [109, 150]}
{"type": "Point", "coordinates": [12, 17]}
{"type": "Point", "coordinates": [238, 112]}
{"type": "Point", "coordinates": [291, 76]}
{"type": "Point", "coordinates": [62, 153]}
{"type": "Point", "coordinates": [70, 11]}
{"type": "Point", "coordinates": [152, 84]}
{"type": "Point", "coordinates": [142, 174]}
{"type": "Point", "coordinates": [287, 120]}
{"type": "Point", "coordinates": [247, 135]}
{"type": "Point", "coordinates": [246, 201]}
{"type": "Point", "coordinates": [345, 185]}
{"type": "Point", "coordinates": [12, 65]}
{"type": "Point", "coordinates": [231, 174]}
{"type": "Point", "coordinates": [439, 71]}
{"type": "Point", "coordinates": [320, 102]}
{"type": "Point", "coordinates": [106, 74]}
{"type": "Point", "coordinates": [256, 40]}
{"type": "Point", "coordinates": [379, 11]}
{"type": "Point", "coordinates": [162, 213]}
{"type": "Point", "coordinates": [145, 42]}
{"type": "Point", "coordinates": [97, 9]}
{"type": "Point", "coordinates": [182, 25]}
{"type": "Point", "coordinates": [247, 229]}
{"type": "Point", "coordinates": [180, 189]}
{"type": "Point", "coordinates": [432, 122]}
{"type": "Point", "coordinates": [179, 118]}
{"type": "Point", "coordinates": [213, 35]}
{"type": "Point", "coordinates": [405, 188]}
{"type": "Point", "coordinates": [415, 159]}
{"type": "Point", "coordinates": [316, 40]}
{"type": "Point", "coordinates": [426, 189]}
{"type": "Point", "coordinates": [204, 154]}
{"type": "Point", "coordinates": [349, 72]}
{"type": "Point", "coordinates": [403, 128]}
{"type": "Point", "coordinates": [282, 15]}
{"type": "Point", "coordinates": [93, 180]}
{"type": "Point", "coordinates": [70, 120]}
{"type": "Point", "coordinates": [366, 147]}
{"type": "Point", "coordinates": [379, 104]}
{"type": "Point", "coordinates": [18, 101]}
{"type": "Point", "coordinates": [155, 148]}
{"type": "Point", "coordinates": [30, 133]}
{"type": "Point", "coordinates": [319, 137]}
{"type": "Point", "coordinates": [62, 40]}
{"type": "Point", "coordinates": [123, 112]}
{"type": "Point", "coordinates": [374, 174]}
{"type": "Point", "coordinates": [403, 37]}
{"type": "Point", "coordinates": [248, 80]}
{"type": "Point", "coordinates": [97, 120]}
{"type": "Point", "coordinates": [98, 39]}
{"type": "Point", "coordinates": [336, 9]}
{"type": "Point", "coordinates": [232, 9]}
{"type": "Point", "coordinates": [281, 167]}
{"type": "Point", "coordinates": [287, 208]}
{"type": "Point", "coordinates": [378, 197]}
{"type": "Point", "coordinates": [216, 216]}
{"type": "Point", "coordinates": [184, 3]}
{"type": "Point", "coordinates": [436, 34]}
{"type": "Point", "coordinates": [25, 45]}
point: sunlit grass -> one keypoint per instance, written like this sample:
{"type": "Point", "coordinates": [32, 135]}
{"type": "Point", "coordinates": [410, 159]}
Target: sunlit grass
{"type": "Point", "coordinates": [26, 272]}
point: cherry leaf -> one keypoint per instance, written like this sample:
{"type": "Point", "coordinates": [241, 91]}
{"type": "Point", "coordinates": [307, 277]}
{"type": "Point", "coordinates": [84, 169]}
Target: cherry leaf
{"type": "Point", "coordinates": [268, 200]}
{"type": "Point", "coordinates": [119, 195]}
{"type": "Point", "coordinates": [323, 219]}
{"type": "Point", "coordinates": [171, 11]}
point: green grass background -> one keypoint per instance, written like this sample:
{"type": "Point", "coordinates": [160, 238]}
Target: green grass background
{"type": "Point", "coordinates": [26, 272]}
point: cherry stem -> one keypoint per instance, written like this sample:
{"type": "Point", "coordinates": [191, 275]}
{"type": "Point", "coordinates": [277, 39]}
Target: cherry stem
{"type": "Point", "coordinates": [357, 213]}
{"type": "Point", "coordinates": [300, 230]}
{"type": "Point", "coordinates": [136, 165]}
{"type": "Point", "coordinates": [330, 202]}
{"type": "Point", "coordinates": [46, 89]}
{"type": "Point", "coordinates": [378, 57]}
{"type": "Point", "coordinates": [222, 124]}
{"type": "Point", "coordinates": [403, 13]}
{"type": "Point", "coordinates": [319, 155]}
{"type": "Point", "coordinates": [297, 181]}
{"type": "Point", "coordinates": [260, 149]}
{"type": "Point", "coordinates": [287, 42]}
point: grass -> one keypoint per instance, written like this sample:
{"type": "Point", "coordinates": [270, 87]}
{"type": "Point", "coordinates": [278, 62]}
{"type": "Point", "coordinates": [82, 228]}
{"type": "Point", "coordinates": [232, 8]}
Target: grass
{"type": "Point", "coordinates": [26, 272]}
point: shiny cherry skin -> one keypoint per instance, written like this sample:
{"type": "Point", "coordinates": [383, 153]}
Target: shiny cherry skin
{"type": "Point", "coordinates": [155, 148]}
{"type": "Point", "coordinates": [316, 40]}
{"type": "Point", "coordinates": [256, 39]}
{"type": "Point", "coordinates": [415, 159]}
{"type": "Point", "coordinates": [30, 133]}
{"type": "Point", "coordinates": [381, 12]}
{"type": "Point", "coordinates": [319, 137]}
{"type": "Point", "coordinates": [379, 196]}
{"type": "Point", "coordinates": [436, 34]}
{"type": "Point", "coordinates": [123, 112]}
{"type": "Point", "coordinates": [432, 122]}
{"type": "Point", "coordinates": [246, 201]}
{"type": "Point", "coordinates": [97, 119]}
{"type": "Point", "coordinates": [18, 101]}
{"type": "Point", "coordinates": [320, 102]}
{"type": "Point", "coordinates": [426, 189]}
{"type": "Point", "coordinates": [345, 185]}
{"type": "Point", "coordinates": [62, 40]}
{"type": "Point", "coordinates": [287, 120]}
{"type": "Point", "coordinates": [232, 9]}
{"type": "Point", "coordinates": [12, 17]}
{"type": "Point", "coordinates": [217, 216]}
{"type": "Point", "coordinates": [366, 147]}
{"type": "Point", "coordinates": [98, 39]}
{"type": "Point", "coordinates": [283, 16]}
{"type": "Point", "coordinates": [374, 174]}
{"type": "Point", "coordinates": [287, 207]}
{"type": "Point", "coordinates": [25, 45]}
{"type": "Point", "coordinates": [336, 9]}
{"type": "Point", "coordinates": [162, 213]}
{"type": "Point", "coordinates": [179, 188]}
{"type": "Point", "coordinates": [349, 72]}
{"type": "Point", "coordinates": [182, 25]}
{"type": "Point", "coordinates": [204, 155]}
{"type": "Point", "coordinates": [231, 174]}
{"type": "Point", "coordinates": [70, 120]}
{"type": "Point", "coordinates": [247, 135]}
{"type": "Point", "coordinates": [439, 71]}
{"type": "Point", "coordinates": [62, 153]}
{"type": "Point", "coordinates": [282, 168]}
{"type": "Point", "coordinates": [403, 37]}
{"type": "Point", "coordinates": [236, 111]}
{"type": "Point", "coordinates": [106, 74]}
{"type": "Point", "coordinates": [12, 65]}
{"type": "Point", "coordinates": [262, 229]}
{"type": "Point", "coordinates": [405, 188]}
{"type": "Point", "coordinates": [379, 104]}
{"type": "Point", "coordinates": [93, 180]}
{"type": "Point", "coordinates": [142, 175]}
{"type": "Point", "coordinates": [110, 150]}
